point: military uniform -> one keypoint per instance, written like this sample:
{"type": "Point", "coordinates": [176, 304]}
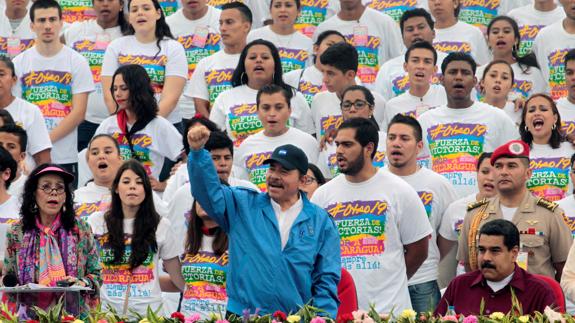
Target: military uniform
{"type": "Point", "coordinates": [544, 234]}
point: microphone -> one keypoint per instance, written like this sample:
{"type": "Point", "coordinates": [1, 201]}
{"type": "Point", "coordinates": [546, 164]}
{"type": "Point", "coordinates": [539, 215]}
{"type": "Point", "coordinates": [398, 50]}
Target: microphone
{"type": "Point", "coordinates": [9, 280]}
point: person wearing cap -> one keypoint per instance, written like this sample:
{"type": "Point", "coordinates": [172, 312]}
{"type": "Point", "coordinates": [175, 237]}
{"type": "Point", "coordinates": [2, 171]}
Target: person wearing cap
{"type": "Point", "coordinates": [492, 287]}
{"type": "Point", "coordinates": [383, 224]}
{"type": "Point", "coordinates": [49, 244]}
{"type": "Point", "coordinates": [545, 238]}
{"type": "Point", "coordinates": [284, 251]}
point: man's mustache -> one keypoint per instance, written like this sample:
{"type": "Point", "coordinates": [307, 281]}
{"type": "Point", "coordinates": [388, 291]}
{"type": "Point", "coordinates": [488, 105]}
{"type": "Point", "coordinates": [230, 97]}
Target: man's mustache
{"type": "Point", "coordinates": [487, 265]}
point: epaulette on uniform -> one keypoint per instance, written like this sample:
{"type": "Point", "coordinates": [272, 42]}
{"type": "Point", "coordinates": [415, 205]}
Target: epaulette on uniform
{"type": "Point", "coordinates": [551, 206]}
{"type": "Point", "coordinates": [477, 204]}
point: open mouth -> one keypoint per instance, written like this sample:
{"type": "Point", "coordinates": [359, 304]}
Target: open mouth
{"type": "Point", "coordinates": [259, 69]}
{"type": "Point", "coordinates": [538, 123]}
{"type": "Point", "coordinates": [102, 165]}
{"type": "Point", "coordinates": [105, 12]}
{"type": "Point", "coordinates": [419, 74]}
{"type": "Point", "coordinates": [141, 21]}
{"type": "Point", "coordinates": [52, 202]}
{"type": "Point", "coordinates": [496, 88]}
{"type": "Point", "coordinates": [275, 185]}
{"type": "Point", "coordinates": [488, 186]}
{"type": "Point", "coordinates": [395, 153]}
{"type": "Point", "coordinates": [500, 43]}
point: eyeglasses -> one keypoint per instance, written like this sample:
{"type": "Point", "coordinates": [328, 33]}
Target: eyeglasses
{"type": "Point", "coordinates": [358, 104]}
{"type": "Point", "coordinates": [308, 180]}
{"type": "Point", "coordinates": [48, 189]}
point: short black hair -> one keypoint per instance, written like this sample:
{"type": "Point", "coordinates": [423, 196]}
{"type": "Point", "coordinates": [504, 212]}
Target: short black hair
{"type": "Point", "coordinates": [408, 121]}
{"type": "Point", "coordinates": [481, 158]}
{"type": "Point", "coordinates": [198, 118]}
{"type": "Point", "coordinates": [365, 132]}
{"type": "Point", "coordinates": [319, 178]}
{"type": "Point", "coordinates": [570, 56]}
{"type": "Point", "coordinates": [45, 4]}
{"type": "Point", "coordinates": [270, 89]}
{"type": "Point", "coordinates": [297, 4]}
{"type": "Point", "coordinates": [366, 93]}
{"type": "Point", "coordinates": [326, 34]}
{"type": "Point", "coordinates": [503, 228]}
{"type": "Point", "coordinates": [458, 56]}
{"type": "Point", "coordinates": [7, 162]}
{"type": "Point", "coordinates": [9, 64]}
{"type": "Point", "coordinates": [219, 140]}
{"type": "Point", "coordinates": [18, 132]}
{"type": "Point", "coordinates": [417, 12]}
{"type": "Point", "coordinates": [421, 45]}
{"type": "Point", "coordinates": [342, 56]}
{"type": "Point", "coordinates": [242, 8]}
{"type": "Point", "coordinates": [6, 117]}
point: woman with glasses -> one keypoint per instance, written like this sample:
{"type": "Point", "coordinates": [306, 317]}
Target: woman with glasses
{"type": "Point", "coordinates": [356, 102]}
{"type": "Point", "coordinates": [49, 245]}
{"type": "Point", "coordinates": [312, 181]}
{"type": "Point", "coordinates": [549, 153]}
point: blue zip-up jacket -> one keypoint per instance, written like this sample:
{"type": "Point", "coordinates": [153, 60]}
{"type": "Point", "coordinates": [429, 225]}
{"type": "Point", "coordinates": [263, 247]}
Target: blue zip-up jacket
{"type": "Point", "coordinates": [262, 275]}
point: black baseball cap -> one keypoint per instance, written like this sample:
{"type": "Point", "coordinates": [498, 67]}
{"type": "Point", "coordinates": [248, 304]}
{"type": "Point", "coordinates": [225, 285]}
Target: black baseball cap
{"type": "Point", "coordinates": [290, 157]}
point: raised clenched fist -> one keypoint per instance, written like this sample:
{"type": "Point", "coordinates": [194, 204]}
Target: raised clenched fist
{"type": "Point", "coordinates": [197, 137]}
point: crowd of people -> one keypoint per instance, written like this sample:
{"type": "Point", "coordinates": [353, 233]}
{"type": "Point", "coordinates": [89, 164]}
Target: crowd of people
{"type": "Point", "coordinates": [231, 156]}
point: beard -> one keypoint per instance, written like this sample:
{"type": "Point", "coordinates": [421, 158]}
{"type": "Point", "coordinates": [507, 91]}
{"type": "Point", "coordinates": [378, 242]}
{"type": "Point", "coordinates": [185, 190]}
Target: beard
{"type": "Point", "coordinates": [354, 166]}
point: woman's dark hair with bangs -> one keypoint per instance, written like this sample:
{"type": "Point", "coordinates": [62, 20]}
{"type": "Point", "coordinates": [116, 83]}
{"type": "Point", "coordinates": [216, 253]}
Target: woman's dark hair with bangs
{"type": "Point", "coordinates": [240, 76]}
{"type": "Point", "coordinates": [525, 62]}
{"type": "Point", "coordinates": [142, 101]}
{"type": "Point", "coordinates": [145, 225]}
{"type": "Point", "coordinates": [29, 209]}
{"type": "Point", "coordinates": [162, 28]}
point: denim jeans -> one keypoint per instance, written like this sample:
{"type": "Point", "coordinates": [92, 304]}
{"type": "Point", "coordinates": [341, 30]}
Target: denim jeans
{"type": "Point", "coordinates": [424, 296]}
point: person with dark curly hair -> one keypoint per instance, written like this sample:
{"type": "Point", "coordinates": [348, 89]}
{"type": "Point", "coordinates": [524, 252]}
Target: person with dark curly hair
{"type": "Point", "coordinates": [49, 243]}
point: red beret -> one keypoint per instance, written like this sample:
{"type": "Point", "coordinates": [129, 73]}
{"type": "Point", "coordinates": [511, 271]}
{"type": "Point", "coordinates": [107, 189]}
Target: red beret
{"type": "Point", "coordinates": [512, 149]}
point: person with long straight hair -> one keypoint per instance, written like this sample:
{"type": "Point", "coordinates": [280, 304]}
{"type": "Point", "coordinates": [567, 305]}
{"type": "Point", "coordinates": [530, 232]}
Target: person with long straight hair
{"type": "Point", "coordinates": [236, 110]}
{"type": "Point", "coordinates": [90, 38]}
{"type": "Point", "coordinates": [132, 239]}
{"type": "Point", "coordinates": [141, 133]}
{"type": "Point", "coordinates": [496, 85]}
{"type": "Point", "coordinates": [150, 44]}
{"type": "Point", "coordinates": [504, 41]}
{"type": "Point", "coordinates": [549, 153]}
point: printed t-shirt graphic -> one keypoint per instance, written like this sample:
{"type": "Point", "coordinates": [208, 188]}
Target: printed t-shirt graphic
{"type": "Point", "coordinates": [219, 3]}
{"type": "Point", "coordinates": [568, 205]}
{"type": "Point", "coordinates": [479, 13]}
{"type": "Point", "coordinates": [531, 21]}
{"type": "Point", "coordinates": [550, 171]}
{"type": "Point", "coordinates": [550, 47]}
{"type": "Point", "coordinates": [567, 113]}
{"type": "Point", "coordinates": [465, 38]}
{"type": "Point", "coordinates": [393, 8]}
{"type": "Point", "coordinates": [77, 10]}
{"type": "Point", "coordinates": [205, 277]}
{"type": "Point", "coordinates": [9, 214]}
{"type": "Point", "coordinates": [169, 7]}
{"type": "Point", "coordinates": [15, 41]}
{"type": "Point", "coordinates": [308, 82]}
{"type": "Point", "coordinates": [213, 76]}
{"type": "Point", "coordinates": [312, 13]}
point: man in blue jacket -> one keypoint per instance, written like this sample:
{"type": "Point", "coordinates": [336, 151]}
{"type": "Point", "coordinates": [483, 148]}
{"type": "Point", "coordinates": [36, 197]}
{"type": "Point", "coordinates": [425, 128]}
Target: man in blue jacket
{"type": "Point", "coordinates": [284, 250]}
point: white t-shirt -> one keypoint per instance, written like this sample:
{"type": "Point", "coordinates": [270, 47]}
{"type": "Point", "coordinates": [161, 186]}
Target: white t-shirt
{"type": "Point", "coordinates": [508, 212]}
{"type": "Point", "coordinates": [29, 117]}
{"type": "Point", "coordinates": [158, 140]}
{"type": "Point", "coordinates": [17, 187]}
{"type": "Point", "coordinates": [9, 214]}
{"type": "Point", "coordinates": [295, 50]}
{"type": "Point", "coordinates": [394, 9]}
{"type": "Point", "coordinates": [375, 219]}
{"type": "Point", "coordinates": [205, 275]}
{"type": "Point", "coordinates": [92, 198]}
{"type": "Point", "coordinates": [327, 160]}
{"type": "Point", "coordinates": [375, 36]}
{"type": "Point", "coordinates": [50, 83]}
{"type": "Point", "coordinates": [77, 10]}
{"type": "Point", "coordinates": [308, 82]}
{"type": "Point", "coordinates": [145, 287]}
{"type": "Point", "coordinates": [525, 83]}
{"type": "Point", "coordinates": [462, 37]}
{"type": "Point", "coordinates": [251, 154]}
{"type": "Point", "coordinates": [260, 11]}
{"type": "Point", "coordinates": [326, 112]}
{"type": "Point", "coordinates": [454, 139]}
{"type": "Point", "coordinates": [392, 80]}
{"type": "Point", "coordinates": [413, 106]}
{"type": "Point", "coordinates": [550, 167]}
{"type": "Point", "coordinates": [568, 206]}
{"type": "Point", "coordinates": [480, 14]}
{"type": "Point", "coordinates": [550, 46]}
{"type": "Point", "coordinates": [314, 13]}
{"type": "Point", "coordinates": [200, 38]}
{"type": "Point", "coordinates": [180, 206]}
{"type": "Point", "coordinates": [567, 113]}
{"type": "Point", "coordinates": [515, 116]}
{"type": "Point", "coordinates": [530, 21]}
{"type": "Point", "coordinates": [236, 111]}
{"type": "Point", "coordinates": [213, 75]}
{"type": "Point", "coordinates": [169, 60]}
{"type": "Point", "coordinates": [21, 38]}
{"type": "Point", "coordinates": [90, 39]}
{"type": "Point", "coordinates": [435, 193]}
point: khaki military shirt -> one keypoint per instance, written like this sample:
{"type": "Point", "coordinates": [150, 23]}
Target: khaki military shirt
{"type": "Point", "coordinates": [544, 234]}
